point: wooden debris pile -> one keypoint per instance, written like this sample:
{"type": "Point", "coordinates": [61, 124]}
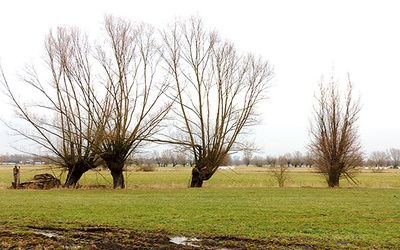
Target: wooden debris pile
{"type": "Point", "coordinates": [42, 181]}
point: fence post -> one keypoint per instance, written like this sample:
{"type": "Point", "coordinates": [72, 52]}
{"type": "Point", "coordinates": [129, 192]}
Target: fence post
{"type": "Point", "coordinates": [16, 183]}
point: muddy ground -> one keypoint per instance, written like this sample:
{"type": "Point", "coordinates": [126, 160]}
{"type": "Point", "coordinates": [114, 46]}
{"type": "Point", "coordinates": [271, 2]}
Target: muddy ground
{"type": "Point", "coordinates": [109, 238]}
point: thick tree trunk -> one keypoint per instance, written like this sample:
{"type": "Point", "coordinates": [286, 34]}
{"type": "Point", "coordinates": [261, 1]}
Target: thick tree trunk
{"type": "Point", "coordinates": [197, 178]}
{"type": "Point", "coordinates": [118, 178]}
{"type": "Point", "coordinates": [199, 175]}
{"type": "Point", "coordinates": [333, 177]}
{"type": "Point", "coordinates": [116, 167]}
{"type": "Point", "coordinates": [73, 176]}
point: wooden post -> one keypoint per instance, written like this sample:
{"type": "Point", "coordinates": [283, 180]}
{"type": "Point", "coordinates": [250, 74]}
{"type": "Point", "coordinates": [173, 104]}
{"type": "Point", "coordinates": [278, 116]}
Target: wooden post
{"type": "Point", "coordinates": [16, 183]}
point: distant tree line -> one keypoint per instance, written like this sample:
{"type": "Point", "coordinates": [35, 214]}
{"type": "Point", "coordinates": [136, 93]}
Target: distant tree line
{"type": "Point", "coordinates": [376, 161]}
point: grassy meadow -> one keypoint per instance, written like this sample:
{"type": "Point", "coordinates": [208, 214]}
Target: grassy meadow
{"type": "Point", "coordinates": [244, 202]}
{"type": "Point", "coordinates": [179, 177]}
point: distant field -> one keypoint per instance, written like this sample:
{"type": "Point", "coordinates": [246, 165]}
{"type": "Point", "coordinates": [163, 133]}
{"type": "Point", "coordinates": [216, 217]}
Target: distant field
{"type": "Point", "coordinates": [239, 209]}
{"type": "Point", "coordinates": [169, 177]}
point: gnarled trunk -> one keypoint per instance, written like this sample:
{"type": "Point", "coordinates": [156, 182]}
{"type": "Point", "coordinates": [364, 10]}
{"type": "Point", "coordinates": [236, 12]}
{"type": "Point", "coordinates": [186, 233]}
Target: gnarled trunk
{"type": "Point", "coordinates": [118, 178]}
{"type": "Point", "coordinates": [73, 176]}
{"type": "Point", "coordinates": [199, 175]}
{"type": "Point", "coordinates": [77, 169]}
{"type": "Point", "coordinates": [116, 167]}
{"type": "Point", "coordinates": [197, 178]}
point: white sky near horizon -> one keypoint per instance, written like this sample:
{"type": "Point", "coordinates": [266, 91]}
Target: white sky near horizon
{"type": "Point", "coordinates": [303, 40]}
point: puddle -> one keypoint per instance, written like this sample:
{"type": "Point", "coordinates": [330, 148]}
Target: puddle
{"type": "Point", "coordinates": [47, 234]}
{"type": "Point", "coordinates": [185, 241]}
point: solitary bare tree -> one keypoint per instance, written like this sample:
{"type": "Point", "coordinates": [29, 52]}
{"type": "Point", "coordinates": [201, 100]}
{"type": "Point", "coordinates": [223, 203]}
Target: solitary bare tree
{"type": "Point", "coordinates": [217, 92]}
{"type": "Point", "coordinates": [248, 149]}
{"type": "Point", "coordinates": [334, 140]}
{"type": "Point", "coordinates": [280, 170]}
{"type": "Point", "coordinates": [130, 59]}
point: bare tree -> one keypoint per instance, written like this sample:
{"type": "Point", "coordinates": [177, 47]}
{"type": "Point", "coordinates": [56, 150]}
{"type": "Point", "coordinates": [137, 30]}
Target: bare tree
{"type": "Point", "coordinates": [217, 93]}
{"type": "Point", "coordinates": [394, 155]}
{"type": "Point", "coordinates": [62, 117]}
{"type": "Point", "coordinates": [130, 59]}
{"type": "Point", "coordinates": [248, 149]}
{"type": "Point", "coordinates": [271, 160]}
{"type": "Point", "coordinates": [289, 159]}
{"type": "Point", "coordinates": [334, 142]}
{"type": "Point", "coordinates": [280, 170]}
{"type": "Point", "coordinates": [259, 161]}
{"type": "Point", "coordinates": [308, 159]}
{"type": "Point", "coordinates": [167, 157]}
{"type": "Point", "coordinates": [297, 159]}
{"type": "Point", "coordinates": [80, 107]}
{"type": "Point", "coordinates": [181, 159]}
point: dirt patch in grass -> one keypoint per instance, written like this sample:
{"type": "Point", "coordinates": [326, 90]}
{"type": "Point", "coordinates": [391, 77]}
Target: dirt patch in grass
{"type": "Point", "coordinates": [111, 238]}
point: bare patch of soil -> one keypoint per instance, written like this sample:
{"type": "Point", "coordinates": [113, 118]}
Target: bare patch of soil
{"type": "Point", "coordinates": [111, 238]}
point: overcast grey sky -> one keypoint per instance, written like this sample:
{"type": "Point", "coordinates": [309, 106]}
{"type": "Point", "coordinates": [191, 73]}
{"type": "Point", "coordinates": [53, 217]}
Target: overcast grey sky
{"type": "Point", "coordinates": [302, 39]}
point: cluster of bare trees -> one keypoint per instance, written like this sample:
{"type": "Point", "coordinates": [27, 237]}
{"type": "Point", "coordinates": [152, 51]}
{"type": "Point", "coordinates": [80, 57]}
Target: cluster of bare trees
{"type": "Point", "coordinates": [295, 159]}
{"type": "Point", "coordinates": [378, 160]}
{"type": "Point", "coordinates": [99, 103]}
{"type": "Point", "coordinates": [171, 157]}
{"type": "Point", "coordinates": [102, 101]}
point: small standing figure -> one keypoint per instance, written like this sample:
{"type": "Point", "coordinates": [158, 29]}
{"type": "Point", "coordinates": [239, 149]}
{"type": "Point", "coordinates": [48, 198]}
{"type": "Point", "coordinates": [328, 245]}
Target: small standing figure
{"type": "Point", "coordinates": [16, 183]}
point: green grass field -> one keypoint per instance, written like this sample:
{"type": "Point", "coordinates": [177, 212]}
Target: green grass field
{"type": "Point", "coordinates": [244, 203]}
